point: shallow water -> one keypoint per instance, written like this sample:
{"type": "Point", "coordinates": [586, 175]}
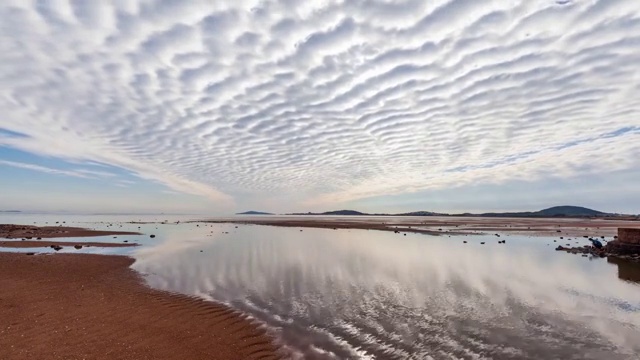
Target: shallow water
{"type": "Point", "coordinates": [379, 295]}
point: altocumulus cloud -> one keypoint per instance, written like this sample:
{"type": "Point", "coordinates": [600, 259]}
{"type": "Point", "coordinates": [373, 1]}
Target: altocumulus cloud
{"type": "Point", "coordinates": [325, 101]}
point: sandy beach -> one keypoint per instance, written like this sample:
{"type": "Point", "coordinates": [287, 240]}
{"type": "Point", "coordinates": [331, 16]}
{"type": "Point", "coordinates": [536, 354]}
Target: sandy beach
{"type": "Point", "coordinates": [70, 306]}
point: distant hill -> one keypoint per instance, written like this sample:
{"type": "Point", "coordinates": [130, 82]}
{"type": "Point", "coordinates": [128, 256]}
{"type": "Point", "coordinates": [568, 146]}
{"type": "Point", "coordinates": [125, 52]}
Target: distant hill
{"type": "Point", "coordinates": [571, 211]}
{"type": "Point", "coordinates": [254, 213]}
{"type": "Point", "coordinates": [335, 212]}
{"type": "Point", "coordinates": [420, 213]}
{"type": "Point", "coordinates": [556, 211]}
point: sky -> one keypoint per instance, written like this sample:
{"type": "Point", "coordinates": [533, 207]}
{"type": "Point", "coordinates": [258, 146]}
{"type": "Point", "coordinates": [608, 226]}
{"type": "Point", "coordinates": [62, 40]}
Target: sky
{"type": "Point", "coordinates": [382, 106]}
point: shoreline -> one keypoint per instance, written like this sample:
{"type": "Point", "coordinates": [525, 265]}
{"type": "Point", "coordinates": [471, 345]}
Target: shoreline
{"type": "Point", "coordinates": [13, 231]}
{"type": "Point", "coordinates": [17, 244]}
{"type": "Point", "coordinates": [451, 226]}
{"type": "Point", "coordinates": [96, 306]}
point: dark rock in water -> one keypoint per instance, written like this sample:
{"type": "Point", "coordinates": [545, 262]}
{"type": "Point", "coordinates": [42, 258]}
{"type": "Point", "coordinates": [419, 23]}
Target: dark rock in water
{"type": "Point", "coordinates": [31, 253]}
{"type": "Point", "coordinates": [482, 243]}
{"type": "Point", "coordinates": [405, 234]}
{"type": "Point", "coordinates": [115, 237]}
{"type": "Point", "coordinates": [57, 247]}
{"type": "Point", "coordinates": [585, 236]}
{"type": "Point", "coordinates": [152, 236]}
{"type": "Point", "coordinates": [126, 241]}
{"type": "Point", "coordinates": [561, 237]}
{"type": "Point", "coordinates": [78, 247]}
{"type": "Point", "coordinates": [498, 235]}
{"type": "Point", "coordinates": [560, 248]}
{"type": "Point", "coordinates": [464, 242]}
{"type": "Point", "coordinates": [556, 240]}
{"type": "Point", "coordinates": [39, 238]}
{"type": "Point", "coordinates": [200, 250]}
{"type": "Point", "coordinates": [602, 237]}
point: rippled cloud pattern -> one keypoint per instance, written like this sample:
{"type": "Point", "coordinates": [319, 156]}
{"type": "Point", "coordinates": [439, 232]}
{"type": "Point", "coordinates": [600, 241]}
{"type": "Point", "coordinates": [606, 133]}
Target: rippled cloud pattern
{"type": "Point", "coordinates": [325, 101]}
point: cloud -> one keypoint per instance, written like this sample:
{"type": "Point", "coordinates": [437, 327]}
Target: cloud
{"type": "Point", "coordinates": [85, 174]}
{"type": "Point", "coordinates": [324, 102]}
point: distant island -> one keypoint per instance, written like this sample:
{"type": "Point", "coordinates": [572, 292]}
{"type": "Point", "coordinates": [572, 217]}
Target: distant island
{"type": "Point", "coordinates": [254, 213]}
{"type": "Point", "coordinates": [10, 211]}
{"type": "Point", "coordinates": [556, 211]}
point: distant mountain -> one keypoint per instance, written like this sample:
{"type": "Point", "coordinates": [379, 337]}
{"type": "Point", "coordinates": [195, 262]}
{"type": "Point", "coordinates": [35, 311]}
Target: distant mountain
{"type": "Point", "coordinates": [254, 213]}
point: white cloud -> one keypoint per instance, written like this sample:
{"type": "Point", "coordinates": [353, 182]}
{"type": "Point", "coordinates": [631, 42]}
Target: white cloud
{"type": "Point", "coordinates": [45, 169]}
{"type": "Point", "coordinates": [324, 101]}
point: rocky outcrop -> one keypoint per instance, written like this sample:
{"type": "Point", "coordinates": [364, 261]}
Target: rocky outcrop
{"type": "Point", "coordinates": [626, 245]}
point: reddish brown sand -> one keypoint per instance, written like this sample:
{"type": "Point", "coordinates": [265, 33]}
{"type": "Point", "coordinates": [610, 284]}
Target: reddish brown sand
{"type": "Point", "coordinates": [46, 244]}
{"type": "Point", "coordinates": [70, 306]}
{"type": "Point", "coordinates": [456, 225]}
{"type": "Point", "coordinates": [11, 231]}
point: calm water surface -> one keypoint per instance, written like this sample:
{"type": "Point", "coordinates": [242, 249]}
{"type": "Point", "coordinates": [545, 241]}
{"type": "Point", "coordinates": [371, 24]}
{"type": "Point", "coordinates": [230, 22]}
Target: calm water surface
{"type": "Point", "coordinates": [378, 295]}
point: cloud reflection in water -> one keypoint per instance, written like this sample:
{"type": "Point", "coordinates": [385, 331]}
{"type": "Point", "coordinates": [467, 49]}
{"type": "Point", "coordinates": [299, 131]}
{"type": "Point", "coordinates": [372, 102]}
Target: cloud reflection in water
{"type": "Point", "coordinates": [369, 294]}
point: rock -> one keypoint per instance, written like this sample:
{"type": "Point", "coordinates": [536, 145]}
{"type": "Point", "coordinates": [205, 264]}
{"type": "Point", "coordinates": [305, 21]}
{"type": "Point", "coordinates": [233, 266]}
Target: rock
{"type": "Point", "coordinates": [39, 238]}
{"type": "Point", "coordinates": [56, 247]}
{"type": "Point", "coordinates": [31, 253]}
{"type": "Point", "coordinates": [560, 248]}
{"type": "Point", "coordinates": [561, 237]}
{"type": "Point", "coordinates": [498, 235]}
{"type": "Point", "coordinates": [152, 236]}
{"type": "Point", "coordinates": [482, 243]}
{"type": "Point", "coordinates": [78, 247]}
{"type": "Point", "coordinates": [126, 241]}
{"type": "Point", "coordinates": [464, 242]}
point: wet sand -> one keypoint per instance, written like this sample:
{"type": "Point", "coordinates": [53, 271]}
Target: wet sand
{"type": "Point", "coordinates": [79, 306]}
{"type": "Point", "coordinates": [16, 244]}
{"type": "Point", "coordinates": [454, 225]}
{"type": "Point", "coordinates": [11, 231]}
